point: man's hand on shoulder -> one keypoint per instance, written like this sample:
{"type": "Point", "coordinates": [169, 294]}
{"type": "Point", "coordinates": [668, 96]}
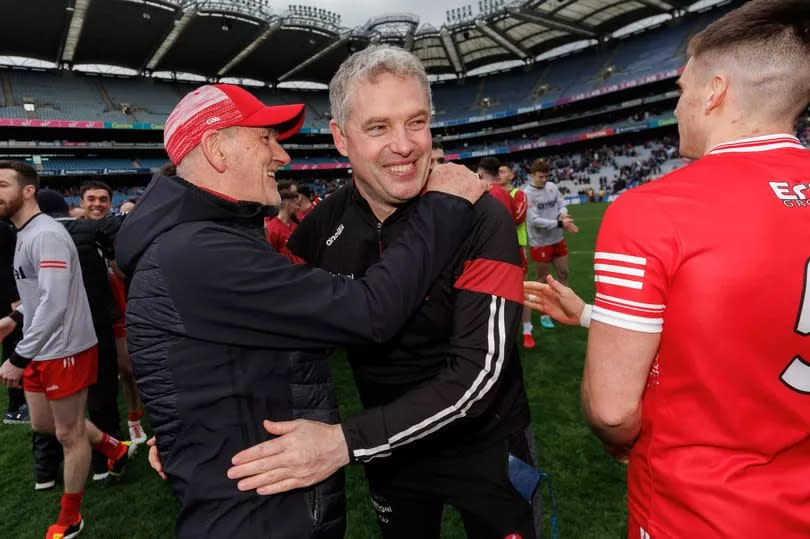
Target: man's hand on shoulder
{"type": "Point", "coordinates": [457, 180]}
{"type": "Point", "coordinates": [303, 453]}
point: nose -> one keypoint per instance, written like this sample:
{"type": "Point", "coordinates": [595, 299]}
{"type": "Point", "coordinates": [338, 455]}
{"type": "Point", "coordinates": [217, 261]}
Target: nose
{"type": "Point", "coordinates": [280, 155]}
{"type": "Point", "coordinates": [401, 141]}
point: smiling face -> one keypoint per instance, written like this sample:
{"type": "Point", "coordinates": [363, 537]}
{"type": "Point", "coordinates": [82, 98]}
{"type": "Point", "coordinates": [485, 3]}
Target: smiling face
{"type": "Point", "coordinates": [253, 155]}
{"type": "Point", "coordinates": [96, 203]}
{"type": "Point", "coordinates": [387, 138]}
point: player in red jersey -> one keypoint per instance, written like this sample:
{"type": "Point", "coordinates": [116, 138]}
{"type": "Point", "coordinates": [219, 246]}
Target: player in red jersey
{"type": "Point", "coordinates": [506, 175]}
{"type": "Point", "coordinates": [278, 229]}
{"type": "Point", "coordinates": [698, 363]}
{"type": "Point", "coordinates": [488, 171]}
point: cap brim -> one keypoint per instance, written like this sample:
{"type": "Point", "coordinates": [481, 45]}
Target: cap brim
{"type": "Point", "coordinates": [286, 119]}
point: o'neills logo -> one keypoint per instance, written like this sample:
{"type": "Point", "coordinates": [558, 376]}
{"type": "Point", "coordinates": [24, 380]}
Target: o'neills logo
{"type": "Point", "coordinates": [792, 196]}
{"type": "Point", "coordinates": [334, 236]}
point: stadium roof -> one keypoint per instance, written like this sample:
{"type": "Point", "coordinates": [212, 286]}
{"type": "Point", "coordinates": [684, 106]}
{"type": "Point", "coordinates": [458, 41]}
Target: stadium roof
{"type": "Point", "coordinates": [247, 39]}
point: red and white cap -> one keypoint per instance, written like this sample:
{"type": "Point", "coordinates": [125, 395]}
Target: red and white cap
{"type": "Point", "coordinates": [219, 106]}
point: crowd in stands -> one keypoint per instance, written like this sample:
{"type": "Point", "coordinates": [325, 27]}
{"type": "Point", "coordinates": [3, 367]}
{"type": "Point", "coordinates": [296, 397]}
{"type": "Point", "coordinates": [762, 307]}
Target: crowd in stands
{"type": "Point", "coordinates": [627, 165]}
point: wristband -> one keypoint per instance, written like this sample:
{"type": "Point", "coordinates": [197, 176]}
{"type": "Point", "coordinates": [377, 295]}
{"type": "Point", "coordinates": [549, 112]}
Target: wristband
{"type": "Point", "coordinates": [585, 317]}
{"type": "Point", "coordinates": [18, 361]}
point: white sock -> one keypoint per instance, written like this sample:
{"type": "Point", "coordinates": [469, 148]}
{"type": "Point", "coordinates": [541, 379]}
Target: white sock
{"type": "Point", "coordinates": [527, 327]}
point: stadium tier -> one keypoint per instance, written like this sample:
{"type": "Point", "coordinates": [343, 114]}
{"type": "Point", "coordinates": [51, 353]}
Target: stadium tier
{"type": "Point", "coordinates": [66, 95]}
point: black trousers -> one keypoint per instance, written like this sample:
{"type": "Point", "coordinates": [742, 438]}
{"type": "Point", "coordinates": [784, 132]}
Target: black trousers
{"type": "Point", "coordinates": [102, 407]}
{"type": "Point", "coordinates": [409, 492]}
{"type": "Point", "coordinates": [102, 397]}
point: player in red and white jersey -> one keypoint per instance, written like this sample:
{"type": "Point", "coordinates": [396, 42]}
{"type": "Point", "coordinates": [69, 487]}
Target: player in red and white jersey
{"type": "Point", "coordinates": [57, 358]}
{"type": "Point", "coordinates": [506, 175]}
{"type": "Point", "coordinates": [698, 364]}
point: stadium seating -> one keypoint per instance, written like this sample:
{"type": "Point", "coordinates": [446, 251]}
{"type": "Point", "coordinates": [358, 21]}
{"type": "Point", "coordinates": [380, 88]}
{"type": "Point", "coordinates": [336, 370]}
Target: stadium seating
{"type": "Point", "coordinates": [74, 96]}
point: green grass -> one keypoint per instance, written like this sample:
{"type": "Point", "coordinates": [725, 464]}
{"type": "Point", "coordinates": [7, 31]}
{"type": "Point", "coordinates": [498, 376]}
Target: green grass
{"type": "Point", "coordinates": [589, 487]}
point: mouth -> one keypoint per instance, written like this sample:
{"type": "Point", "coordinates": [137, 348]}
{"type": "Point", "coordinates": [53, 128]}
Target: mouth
{"type": "Point", "coordinates": [401, 169]}
{"type": "Point", "coordinates": [271, 174]}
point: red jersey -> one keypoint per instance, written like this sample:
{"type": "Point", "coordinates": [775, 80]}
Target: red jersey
{"type": "Point", "coordinates": [277, 233]}
{"type": "Point", "coordinates": [716, 256]}
{"type": "Point", "coordinates": [512, 204]}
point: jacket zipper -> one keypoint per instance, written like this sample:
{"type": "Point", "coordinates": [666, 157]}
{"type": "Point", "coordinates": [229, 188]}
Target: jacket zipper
{"type": "Point", "coordinates": [379, 237]}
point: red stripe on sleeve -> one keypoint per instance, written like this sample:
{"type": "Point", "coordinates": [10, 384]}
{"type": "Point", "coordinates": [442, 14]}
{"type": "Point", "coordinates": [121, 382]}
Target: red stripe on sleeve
{"type": "Point", "coordinates": [492, 277]}
{"type": "Point", "coordinates": [52, 262]}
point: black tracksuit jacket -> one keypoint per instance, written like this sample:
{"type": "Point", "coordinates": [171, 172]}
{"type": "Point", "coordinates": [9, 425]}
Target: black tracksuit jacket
{"type": "Point", "coordinates": [225, 332]}
{"type": "Point", "coordinates": [451, 378]}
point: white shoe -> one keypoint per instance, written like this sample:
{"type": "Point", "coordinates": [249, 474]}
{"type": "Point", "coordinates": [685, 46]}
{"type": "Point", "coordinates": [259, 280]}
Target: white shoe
{"type": "Point", "coordinates": [100, 476]}
{"type": "Point", "coordinates": [45, 485]}
{"type": "Point", "coordinates": [136, 433]}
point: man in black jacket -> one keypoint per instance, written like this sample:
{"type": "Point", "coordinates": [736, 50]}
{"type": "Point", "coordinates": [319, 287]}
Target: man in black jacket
{"type": "Point", "coordinates": [445, 404]}
{"type": "Point", "coordinates": [224, 332]}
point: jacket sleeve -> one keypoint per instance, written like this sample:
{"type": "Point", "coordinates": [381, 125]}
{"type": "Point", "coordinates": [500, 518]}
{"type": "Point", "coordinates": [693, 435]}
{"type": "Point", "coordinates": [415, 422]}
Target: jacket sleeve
{"type": "Point", "coordinates": [235, 289]}
{"type": "Point", "coordinates": [486, 313]}
{"type": "Point", "coordinates": [52, 257]}
{"type": "Point", "coordinates": [105, 234]}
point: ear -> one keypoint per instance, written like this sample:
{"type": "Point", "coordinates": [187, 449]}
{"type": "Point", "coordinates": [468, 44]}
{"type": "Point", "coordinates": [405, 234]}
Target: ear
{"type": "Point", "coordinates": [339, 136]}
{"type": "Point", "coordinates": [30, 192]}
{"type": "Point", "coordinates": [211, 145]}
{"type": "Point", "coordinates": [717, 97]}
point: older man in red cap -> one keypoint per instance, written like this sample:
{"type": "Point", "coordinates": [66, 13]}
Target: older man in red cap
{"type": "Point", "coordinates": [224, 331]}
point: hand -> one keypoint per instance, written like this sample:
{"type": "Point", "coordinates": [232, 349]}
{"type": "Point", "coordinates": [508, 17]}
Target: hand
{"type": "Point", "coordinates": [304, 453]}
{"type": "Point", "coordinates": [10, 375]}
{"type": "Point", "coordinates": [568, 223]}
{"type": "Point", "coordinates": [457, 180]}
{"type": "Point", "coordinates": [154, 457]}
{"type": "Point", "coordinates": [7, 325]}
{"type": "Point", "coordinates": [554, 299]}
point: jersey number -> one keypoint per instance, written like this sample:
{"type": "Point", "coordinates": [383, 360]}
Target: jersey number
{"type": "Point", "coordinates": [797, 374]}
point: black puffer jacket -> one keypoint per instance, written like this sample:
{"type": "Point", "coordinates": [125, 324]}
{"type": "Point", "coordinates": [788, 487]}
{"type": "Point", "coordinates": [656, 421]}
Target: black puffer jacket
{"type": "Point", "coordinates": [224, 332]}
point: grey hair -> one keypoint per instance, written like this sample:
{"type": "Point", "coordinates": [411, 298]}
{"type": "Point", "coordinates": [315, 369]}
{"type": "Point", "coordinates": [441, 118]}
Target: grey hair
{"type": "Point", "coordinates": [368, 64]}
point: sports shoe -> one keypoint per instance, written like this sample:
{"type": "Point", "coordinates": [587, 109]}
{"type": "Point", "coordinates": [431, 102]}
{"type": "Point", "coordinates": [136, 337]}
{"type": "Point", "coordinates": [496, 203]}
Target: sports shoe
{"type": "Point", "coordinates": [136, 433]}
{"type": "Point", "coordinates": [101, 476]}
{"type": "Point", "coordinates": [44, 485]}
{"type": "Point", "coordinates": [58, 531]}
{"type": "Point", "coordinates": [528, 340]}
{"type": "Point", "coordinates": [546, 322]}
{"type": "Point", "coordinates": [116, 467]}
{"type": "Point", "coordinates": [18, 417]}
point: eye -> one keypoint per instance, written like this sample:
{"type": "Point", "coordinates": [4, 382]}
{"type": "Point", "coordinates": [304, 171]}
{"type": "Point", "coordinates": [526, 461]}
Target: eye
{"type": "Point", "coordinates": [375, 129]}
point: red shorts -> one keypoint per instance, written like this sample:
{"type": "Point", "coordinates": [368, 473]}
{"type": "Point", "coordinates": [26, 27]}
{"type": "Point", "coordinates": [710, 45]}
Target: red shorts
{"type": "Point", "coordinates": [60, 378]}
{"type": "Point", "coordinates": [549, 252]}
{"type": "Point", "coordinates": [120, 297]}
